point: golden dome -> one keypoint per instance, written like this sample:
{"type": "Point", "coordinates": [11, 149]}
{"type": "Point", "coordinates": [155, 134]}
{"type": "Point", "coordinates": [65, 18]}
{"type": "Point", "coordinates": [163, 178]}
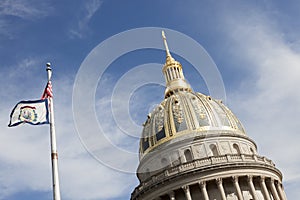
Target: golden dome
{"type": "Point", "coordinates": [184, 112]}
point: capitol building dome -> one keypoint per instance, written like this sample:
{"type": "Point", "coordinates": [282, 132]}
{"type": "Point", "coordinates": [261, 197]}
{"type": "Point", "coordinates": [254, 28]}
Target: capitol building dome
{"type": "Point", "coordinates": [193, 147]}
{"type": "Point", "coordinates": [187, 113]}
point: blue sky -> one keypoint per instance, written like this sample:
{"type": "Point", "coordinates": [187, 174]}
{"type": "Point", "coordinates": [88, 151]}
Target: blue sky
{"type": "Point", "coordinates": [254, 44]}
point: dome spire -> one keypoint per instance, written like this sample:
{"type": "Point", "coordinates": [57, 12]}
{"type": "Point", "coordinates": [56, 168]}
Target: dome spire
{"type": "Point", "coordinates": [169, 58]}
{"type": "Point", "coordinates": [165, 43]}
{"type": "Point", "coordinates": [172, 70]}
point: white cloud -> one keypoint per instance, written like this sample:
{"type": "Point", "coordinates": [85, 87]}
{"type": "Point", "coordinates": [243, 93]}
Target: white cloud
{"type": "Point", "coordinates": [268, 102]}
{"type": "Point", "coordinates": [30, 9]}
{"type": "Point", "coordinates": [90, 8]}
{"type": "Point", "coordinates": [20, 10]}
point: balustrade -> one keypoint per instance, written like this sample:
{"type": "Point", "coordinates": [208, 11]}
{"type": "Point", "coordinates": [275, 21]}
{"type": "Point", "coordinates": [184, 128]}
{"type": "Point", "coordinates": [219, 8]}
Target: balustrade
{"type": "Point", "coordinates": [229, 158]}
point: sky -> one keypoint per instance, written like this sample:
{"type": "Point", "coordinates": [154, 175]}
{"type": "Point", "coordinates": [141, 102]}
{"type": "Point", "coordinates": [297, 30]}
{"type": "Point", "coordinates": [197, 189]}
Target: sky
{"type": "Point", "coordinates": [107, 57]}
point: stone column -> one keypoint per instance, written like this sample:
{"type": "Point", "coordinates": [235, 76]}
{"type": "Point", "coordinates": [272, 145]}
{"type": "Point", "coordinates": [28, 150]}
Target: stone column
{"type": "Point", "coordinates": [167, 75]}
{"type": "Point", "coordinates": [273, 189]}
{"type": "Point", "coordinates": [172, 195]}
{"type": "Point", "coordinates": [221, 189]}
{"type": "Point", "coordinates": [281, 191]}
{"type": "Point", "coordinates": [252, 188]}
{"type": "Point", "coordinates": [203, 190]}
{"type": "Point", "coordinates": [171, 74]}
{"type": "Point", "coordinates": [186, 189]}
{"type": "Point", "coordinates": [237, 187]}
{"type": "Point", "coordinates": [174, 72]}
{"type": "Point", "coordinates": [264, 188]}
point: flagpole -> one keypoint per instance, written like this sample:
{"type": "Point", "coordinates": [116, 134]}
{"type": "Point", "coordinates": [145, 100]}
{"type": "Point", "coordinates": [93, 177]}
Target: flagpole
{"type": "Point", "coordinates": [54, 155]}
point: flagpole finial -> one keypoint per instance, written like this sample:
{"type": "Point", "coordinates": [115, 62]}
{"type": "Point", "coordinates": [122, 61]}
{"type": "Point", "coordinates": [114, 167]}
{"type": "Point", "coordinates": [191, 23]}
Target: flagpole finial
{"type": "Point", "coordinates": [49, 70]}
{"type": "Point", "coordinates": [48, 66]}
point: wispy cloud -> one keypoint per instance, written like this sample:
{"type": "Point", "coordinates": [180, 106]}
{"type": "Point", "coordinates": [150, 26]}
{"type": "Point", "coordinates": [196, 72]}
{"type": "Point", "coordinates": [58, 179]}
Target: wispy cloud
{"type": "Point", "coordinates": [20, 10]}
{"type": "Point", "coordinates": [23, 76]}
{"type": "Point", "coordinates": [23, 9]}
{"type": "Point", "coordinates": [268, 100]}
{"type": "Point", "coordinates": [90, 8]}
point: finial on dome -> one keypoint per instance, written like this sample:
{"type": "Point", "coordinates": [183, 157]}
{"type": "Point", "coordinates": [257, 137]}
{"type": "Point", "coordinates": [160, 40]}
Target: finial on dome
{"type": "Point", "coordinates": [173, 73]}
{"type": "Point", "coordinates": [165, 43]}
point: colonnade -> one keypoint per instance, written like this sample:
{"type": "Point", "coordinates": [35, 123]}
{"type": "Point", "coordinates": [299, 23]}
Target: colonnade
{"type": "Point", "coordinates": [172, 73]}
{"type": "Point", "coordinates": [270, 188]}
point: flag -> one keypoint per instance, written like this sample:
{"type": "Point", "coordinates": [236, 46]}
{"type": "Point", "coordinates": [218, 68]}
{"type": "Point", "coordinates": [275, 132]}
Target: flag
{"type": "Point", "coordinates": [32, 112]}
{"type": "Point", "coordinates": [48, 91]}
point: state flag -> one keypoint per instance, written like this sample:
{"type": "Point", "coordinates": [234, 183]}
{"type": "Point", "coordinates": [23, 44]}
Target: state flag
{"type": "Point", "coordinates": [34, 112]}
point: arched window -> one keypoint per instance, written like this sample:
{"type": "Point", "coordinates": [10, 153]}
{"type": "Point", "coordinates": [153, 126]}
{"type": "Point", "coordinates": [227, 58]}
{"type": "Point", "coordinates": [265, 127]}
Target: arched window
{"type": "Point", "coordinates": [236, 149]}
{"type": "Point", "coordinates": [188, 155]}
{"type": "Point", "coordinates": [213, 149]}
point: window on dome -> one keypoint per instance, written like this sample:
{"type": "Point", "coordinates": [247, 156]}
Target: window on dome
{"type": "Point", "coordinates": [161, 134]}
{"type": "Point", "coordinates": [145, 144]}
{"type": "Point", "coordinates": [236, 149]}
{"type": "Point", "coordinates": [188, 155]}
{"type": "Point", "coordinates": [213, 149]}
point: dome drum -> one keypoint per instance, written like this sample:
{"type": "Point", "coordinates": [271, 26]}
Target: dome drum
{"type": "Point", "coordinates": [192, 147]}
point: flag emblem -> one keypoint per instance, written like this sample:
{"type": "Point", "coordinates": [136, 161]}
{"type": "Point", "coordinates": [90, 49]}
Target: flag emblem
{"type": "Point", "coordinates": [28, 114]}
{"type": "Point", "coordinates": [31, 112]}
